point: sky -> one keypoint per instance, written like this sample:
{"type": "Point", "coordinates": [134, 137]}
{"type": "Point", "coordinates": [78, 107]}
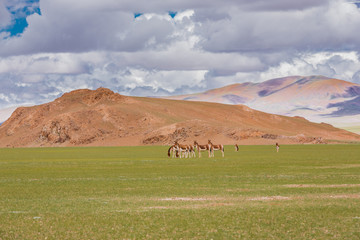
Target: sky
{"type": "Point", "coordinates": [159, 48]}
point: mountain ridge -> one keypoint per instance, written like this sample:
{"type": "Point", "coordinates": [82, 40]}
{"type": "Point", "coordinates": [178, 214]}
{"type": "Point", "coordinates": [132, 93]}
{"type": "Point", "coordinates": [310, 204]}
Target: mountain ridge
{"type": "Point", "coordinates": [104, 118]}
{"type": "Point", "coordinates": [317, 98]}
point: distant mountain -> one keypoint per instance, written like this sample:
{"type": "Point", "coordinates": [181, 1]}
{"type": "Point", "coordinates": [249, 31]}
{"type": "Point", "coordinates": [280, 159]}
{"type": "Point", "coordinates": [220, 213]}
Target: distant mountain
{"type": "Point", "coordinates": [104, 118]}
{"type": "Point", "coordinates": [316, 98]}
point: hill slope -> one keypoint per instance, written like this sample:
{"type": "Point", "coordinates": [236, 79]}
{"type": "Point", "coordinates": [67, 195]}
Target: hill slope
{"type": "Point", "coordinates": [102, 117]}
{"type": "Point", "coordinates": [316, 98]}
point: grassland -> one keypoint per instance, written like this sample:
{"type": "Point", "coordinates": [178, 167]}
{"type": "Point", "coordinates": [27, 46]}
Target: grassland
{"type": "Point", "coordinates": [302, 192]}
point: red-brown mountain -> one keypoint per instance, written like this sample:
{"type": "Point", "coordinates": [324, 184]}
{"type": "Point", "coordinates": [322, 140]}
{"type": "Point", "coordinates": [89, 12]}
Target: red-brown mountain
{"type": "Point", "coordinates": [104, 118]}
{"type": "Point", "coordinates": [316, 98]}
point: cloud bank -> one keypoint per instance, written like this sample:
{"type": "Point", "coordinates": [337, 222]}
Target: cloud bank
{"type": "Point", "coordinates": [138, 48]}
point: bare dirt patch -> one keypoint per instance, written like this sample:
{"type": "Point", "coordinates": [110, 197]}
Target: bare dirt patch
{"type": "Point", "coordinates": [270, 198]}
{"type": "Point", "coordinates": [321, 186]}
{"type": "Point", "coordinates": [353, 196]}
{"type": "Point", "coordinates": [159, 207]}
{"type": "Point", "coordinates": [190, 199]}
{"type": "Point", "coordinates": [345, 166]}
{"type": "Point", "coordinates": [215, 202]}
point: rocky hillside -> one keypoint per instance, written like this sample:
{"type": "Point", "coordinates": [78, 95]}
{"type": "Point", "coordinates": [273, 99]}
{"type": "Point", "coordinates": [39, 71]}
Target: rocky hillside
{"type": "Point", "coordinates": [104, 118]}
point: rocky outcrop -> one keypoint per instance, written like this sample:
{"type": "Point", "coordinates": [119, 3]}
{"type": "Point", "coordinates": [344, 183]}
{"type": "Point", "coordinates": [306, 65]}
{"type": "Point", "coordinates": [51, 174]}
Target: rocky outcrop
{"type": "Point", "coordinates": [55, 132]}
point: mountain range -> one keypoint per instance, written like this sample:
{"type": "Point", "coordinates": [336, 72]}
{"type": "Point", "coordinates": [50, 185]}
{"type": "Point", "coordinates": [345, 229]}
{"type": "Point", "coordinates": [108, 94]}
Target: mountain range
{"type": "Point", "coordinates": [104, 118]}
{"type": "Point", "coordinates": [316, 98]}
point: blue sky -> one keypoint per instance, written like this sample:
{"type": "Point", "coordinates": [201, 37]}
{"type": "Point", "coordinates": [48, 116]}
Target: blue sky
{"type": "Point", "coordinates": [169, 47]}
{"type": "Point", "coordinates": [18, 16]}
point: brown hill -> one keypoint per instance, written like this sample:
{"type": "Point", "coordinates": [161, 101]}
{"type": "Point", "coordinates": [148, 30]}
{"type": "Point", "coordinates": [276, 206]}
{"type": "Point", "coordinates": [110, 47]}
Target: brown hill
{"type": "Point", "coordinates": [104, 118]}
{"type": "Point", "coordinates": [317, 98]}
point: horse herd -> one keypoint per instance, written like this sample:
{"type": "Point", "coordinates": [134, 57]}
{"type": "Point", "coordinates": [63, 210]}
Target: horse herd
{"type": "Point", "coordinates": [182, 150]}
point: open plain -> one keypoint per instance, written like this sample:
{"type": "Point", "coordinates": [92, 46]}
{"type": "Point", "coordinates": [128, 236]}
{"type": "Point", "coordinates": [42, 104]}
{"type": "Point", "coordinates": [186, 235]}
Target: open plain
{"type": "Point", "coordinates": [302, 192]}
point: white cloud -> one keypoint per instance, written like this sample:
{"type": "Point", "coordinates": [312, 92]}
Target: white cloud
{"type": "Point", "coordinates": [311, 29]}
{"type": "Point", "coordinates": [110, 25]}
{"type": "Point", "coordinates": [207, 44]}
{"type": "Point", "coordinates": [4, 97]}
{"type": "Point", "coordinates": [61, 63]}
{"type": "Point", "coordinates": [5, 17]}
{"type": "Point", "coordinates": [341, 65]}
{"type": "Point", "coordinates": [178, 5]}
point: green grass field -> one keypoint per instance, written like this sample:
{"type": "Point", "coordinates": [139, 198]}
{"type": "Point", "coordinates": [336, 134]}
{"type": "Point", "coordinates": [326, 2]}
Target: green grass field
{"type": "Point", "coordinates": [302, 192]}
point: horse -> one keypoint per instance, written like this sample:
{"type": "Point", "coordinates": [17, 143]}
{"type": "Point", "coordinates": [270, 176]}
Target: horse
{"type": "Point", "coordinates": [215, 148]}
{"type": "Point", "coordinates": [236, 148]}
{"type": "Point", "coordinates": [174, 150]}
{"type": "Point", "coordinates": [182, 148]}
{"type": "Point", "coordinates": [192, 151]}
{"type": "Point", "coordinates": [200, 148]}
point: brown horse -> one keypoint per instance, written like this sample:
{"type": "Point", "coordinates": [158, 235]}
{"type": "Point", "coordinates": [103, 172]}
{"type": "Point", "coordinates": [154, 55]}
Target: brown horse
{"type": "Point", "coordinates": [200, 148]}
{"type": "Point", "coordinates": [182, 149]}
{"type": "Point", "coordinates": [173, 149]}
{"type": "Point", "coordinates": [236, 148]}
{"type": "Point", "coordinates": [213, 148]}
{"type": "Point", "coordinates": [192, 151]}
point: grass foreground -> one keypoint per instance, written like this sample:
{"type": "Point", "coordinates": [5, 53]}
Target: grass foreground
{"type": "Point", "coordinates": [302, 192]}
